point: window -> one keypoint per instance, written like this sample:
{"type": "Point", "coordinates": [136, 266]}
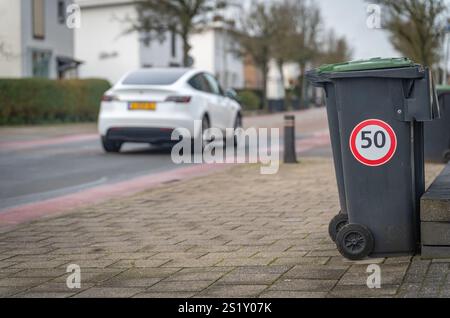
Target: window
{"type": "Point", "coordinates": [61, 11]}
{"type": "Point", "coordinates": [154, 77]}
{"type": "Point", "coordinates": [39, 19]}
{"type": "Point", "coordinates": [200, 83]}
{"type": "Point", "coordinates": [40, 62]}
{"type": "Point", "coordinates": [215, 87]}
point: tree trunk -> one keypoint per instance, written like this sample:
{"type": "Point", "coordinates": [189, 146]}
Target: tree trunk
{"type": "Point", "coordinates": [301, 84]}
{"type": "Point", "coordinates": [280, 64]}
{"type": "Point", "coordinates": [265, 71]}
{"type": "Point", "coordinates": [185, 31]}
{"type": "Point", "coordinates": [186, 49]}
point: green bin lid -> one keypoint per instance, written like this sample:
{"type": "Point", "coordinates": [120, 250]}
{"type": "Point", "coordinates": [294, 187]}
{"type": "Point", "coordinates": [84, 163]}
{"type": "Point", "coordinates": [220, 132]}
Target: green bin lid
{"type": "Point", "coordinates": [443, 88]}
{"type": "Point", "coordinates": [364, 65]}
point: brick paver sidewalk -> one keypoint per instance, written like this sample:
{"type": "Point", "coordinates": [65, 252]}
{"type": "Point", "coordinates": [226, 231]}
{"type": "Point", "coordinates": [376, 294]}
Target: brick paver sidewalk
{"type": "Point", "coordinates": [232, 234]}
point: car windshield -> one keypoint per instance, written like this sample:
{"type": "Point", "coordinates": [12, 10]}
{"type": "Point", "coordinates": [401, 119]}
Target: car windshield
{"type": "Point", "coordinates": [154, 77]}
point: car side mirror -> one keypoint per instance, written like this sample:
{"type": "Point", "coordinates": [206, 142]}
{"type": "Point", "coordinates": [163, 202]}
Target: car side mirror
{"type": "Point", "coordinates": [231, 93]}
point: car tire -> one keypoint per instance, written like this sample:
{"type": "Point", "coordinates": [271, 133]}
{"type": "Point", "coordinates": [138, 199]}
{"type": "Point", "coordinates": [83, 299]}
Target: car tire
{"type": "Point", "coordinates": [237, 125]}
{"type": "Point", "coordinates": [205, 125]}
{"type": "Point", "coordinates": [111, 145]}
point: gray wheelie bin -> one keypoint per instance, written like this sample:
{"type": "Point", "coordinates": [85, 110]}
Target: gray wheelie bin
{"type": "Point", "coordinates": [376, 109]}
{"type": "Point", "coordinates": [437, 133]}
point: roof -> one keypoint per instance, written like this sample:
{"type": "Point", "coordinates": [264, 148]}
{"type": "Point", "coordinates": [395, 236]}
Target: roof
{"type": "Point", "coordinates": [103, 3]}
{"type": "Point", "coordinates": [216, 26]}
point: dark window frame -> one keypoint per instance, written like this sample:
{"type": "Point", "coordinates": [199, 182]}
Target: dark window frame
{"type": "Point", "coordinates": [37, 35]}
{"type": "Point", "coordinates": [173, 42]}
{"type": "Point", "coordinates": [61, 11]}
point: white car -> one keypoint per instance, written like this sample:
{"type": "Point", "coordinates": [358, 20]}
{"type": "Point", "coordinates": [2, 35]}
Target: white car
{"type": "Point", "coordinates": [148, 104]}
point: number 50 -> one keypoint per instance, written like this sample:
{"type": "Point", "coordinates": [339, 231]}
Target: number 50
{"type": "Point", "coordinates": [379, 139]}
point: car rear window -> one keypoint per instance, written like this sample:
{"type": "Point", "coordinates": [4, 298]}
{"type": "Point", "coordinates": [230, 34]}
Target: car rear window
{"type": "Point", "coordinates": [154, 77]}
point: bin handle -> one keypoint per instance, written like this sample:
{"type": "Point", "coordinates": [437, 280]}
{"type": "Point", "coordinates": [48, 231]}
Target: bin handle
{"type": "Point", "coordinates": [421, 101]}
{"type": "Point", "coordinates": [435, 107]}
{"type": "Point", "coordinates": [317, 79]}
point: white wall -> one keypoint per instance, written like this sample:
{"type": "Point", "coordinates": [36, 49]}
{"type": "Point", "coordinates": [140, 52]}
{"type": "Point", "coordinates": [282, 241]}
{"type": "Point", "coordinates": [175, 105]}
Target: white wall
{"type": "Point", "coordinates": [213, 51]}
{"type": "Point", "coordinates": [10, 37]}
{"type": "Point", "coordinates": [59, 39]}
{"type": "Point", "coordinates": [275, 88]}
{"type": "Point", "coordinates": [291, 73]}
{"type": "Point", "coordinates": [229, 66]}
{"type": "Point", "coordinates": [159, 54]}
{"type": "Point", "coordinates": [202, 50]}
{"type": "Point", "coordinates": [108, 51]}
{"type": "Point", "coordinates": [102, 45]}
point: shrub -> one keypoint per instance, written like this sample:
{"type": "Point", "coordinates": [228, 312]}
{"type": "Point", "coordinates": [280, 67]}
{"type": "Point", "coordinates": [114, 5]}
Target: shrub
{"type": "Point", "coordinates": [249, 100]}
{"type": "Point", "coordinates": [38, 101]}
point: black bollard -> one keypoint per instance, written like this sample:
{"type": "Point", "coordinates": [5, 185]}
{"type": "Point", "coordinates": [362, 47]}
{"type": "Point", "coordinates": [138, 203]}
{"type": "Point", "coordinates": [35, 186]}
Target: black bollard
{"type": "Point", "coordinates": [290, 155]}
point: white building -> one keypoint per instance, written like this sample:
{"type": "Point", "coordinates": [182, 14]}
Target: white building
{"type": "Point", "coordinates": [34, 39]}
{"type": "Point", "coordinates": [276, 89]}
{"type": "Point", "coordinates": [108, 51]}
{"type": "Point", "coordinates": [215, 50]}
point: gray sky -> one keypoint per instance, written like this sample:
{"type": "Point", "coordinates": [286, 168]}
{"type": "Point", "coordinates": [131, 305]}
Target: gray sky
{"type": "Point", "coordinates": [348, 17]}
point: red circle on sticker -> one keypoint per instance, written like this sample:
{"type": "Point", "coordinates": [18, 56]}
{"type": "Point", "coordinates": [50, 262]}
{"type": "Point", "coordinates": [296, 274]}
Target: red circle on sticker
{"type": "Point", "coordinates": [373, 142]}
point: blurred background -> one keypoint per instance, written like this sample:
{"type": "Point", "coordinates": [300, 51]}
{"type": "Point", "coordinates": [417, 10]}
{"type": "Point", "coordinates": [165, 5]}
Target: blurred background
{"type": "Point", "coordinates": [67, 53]}
{"type": "Point", "coordinates": [59, 57]}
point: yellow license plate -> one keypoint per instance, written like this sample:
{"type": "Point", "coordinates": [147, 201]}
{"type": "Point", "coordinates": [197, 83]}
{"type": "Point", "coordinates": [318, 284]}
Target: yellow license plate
{"type": "Point", "coordinates": [142, 106]}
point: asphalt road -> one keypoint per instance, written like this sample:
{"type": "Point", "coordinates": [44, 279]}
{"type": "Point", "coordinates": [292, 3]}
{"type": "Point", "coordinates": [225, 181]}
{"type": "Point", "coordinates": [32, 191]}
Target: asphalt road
{"type": "Point", "coordinates": [44, 171]}
{"type": "Point", "coordinates": [40, 173]}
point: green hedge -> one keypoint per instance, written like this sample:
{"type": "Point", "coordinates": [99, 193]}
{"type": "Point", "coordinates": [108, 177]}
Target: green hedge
{"type": "Point", "coordinates": [39, 101]}
{"type": "Point", "coordinates": [249, 99]}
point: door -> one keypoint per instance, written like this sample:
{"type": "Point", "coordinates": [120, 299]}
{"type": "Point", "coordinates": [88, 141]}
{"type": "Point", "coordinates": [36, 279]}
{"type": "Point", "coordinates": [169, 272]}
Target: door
{"type": "Point", "coordinates": [221, 108]}
{"type": "Point", "coordinates": [204, 89]}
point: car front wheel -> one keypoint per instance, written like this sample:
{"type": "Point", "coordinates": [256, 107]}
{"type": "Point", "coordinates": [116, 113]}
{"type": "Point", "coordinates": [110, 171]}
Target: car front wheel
{"type": "Point", "coordinates": [204, 138]}
{"type": "Point", "coordinates": [237, 125]}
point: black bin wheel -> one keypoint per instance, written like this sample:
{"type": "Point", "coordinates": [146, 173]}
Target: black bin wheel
{"type": "Point", "coordinates": [355, 241]}
{"type": "Point", "coordinates": [446, 156]}
{"type": "Point", "coordinates": [336, 224]}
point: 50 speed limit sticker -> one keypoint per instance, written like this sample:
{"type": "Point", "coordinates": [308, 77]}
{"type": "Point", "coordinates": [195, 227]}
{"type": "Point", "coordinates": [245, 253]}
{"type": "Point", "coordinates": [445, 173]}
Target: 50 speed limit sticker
{"type": "Point", "coordinates": [373, 142]}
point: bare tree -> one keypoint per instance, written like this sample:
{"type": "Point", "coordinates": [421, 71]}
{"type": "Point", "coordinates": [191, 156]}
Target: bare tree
{"type": "Point", "coordinates": [416, 28]}
{"type": "Point", "coordinates": [334, 50]}
{"type": "Point", "coordinates": [284, 23]}
{"type": "Point", "coordinates": [157, 17]}
{"type": "Point", "coordinates": [256, 39]}
{"type": "Point", "coordinates": [305, 40]}
{"type": "Point", "coordinates": [287, 31]}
